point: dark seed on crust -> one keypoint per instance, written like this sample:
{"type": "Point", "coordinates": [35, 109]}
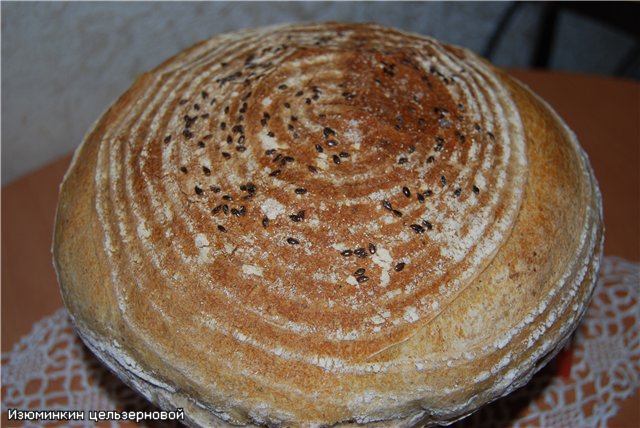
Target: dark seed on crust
{"type": "Point", "coordinates": [397, 213]}
{"type": "Point", "coordinates": [328, 131]}
{"type": "Point", "coordinates": [372, 248]}
{"type": "Point", "coordinates": [346, 253]}
{"type": "Point", "coordinates": [399, 266]}
{"type": "Point", "coordinates": [293, 241]}
{"type": "Point", "coordinates": [360, 252]}
{"type": "Point", "coordinates": [221, 228]}
{"type": "Point", "coordinates": [406, 191]}
{"type": "Point", "coordinates": [417, 228]}
{"type": "Point", "coordinates": [359, 272]}
{"type": "Point", "coordinates": [362, 279]}
{"type": "Point", "coordinates": [265, 221]}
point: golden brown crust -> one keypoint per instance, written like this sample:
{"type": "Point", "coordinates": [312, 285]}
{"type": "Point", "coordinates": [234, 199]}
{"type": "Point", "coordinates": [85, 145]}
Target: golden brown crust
{"type": "Point", "coordinates": [198, 302]}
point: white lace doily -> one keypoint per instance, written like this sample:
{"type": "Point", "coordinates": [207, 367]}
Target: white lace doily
{"type": "Point", "coordinates": [50, 369]}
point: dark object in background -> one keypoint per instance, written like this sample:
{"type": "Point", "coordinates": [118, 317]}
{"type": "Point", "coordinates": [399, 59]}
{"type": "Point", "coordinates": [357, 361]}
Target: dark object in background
{"type": "Point", "coordinates": [622, 16]}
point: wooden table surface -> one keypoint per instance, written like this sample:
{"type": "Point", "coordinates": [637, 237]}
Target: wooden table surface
{"type": "Point", "coordinates": [603, 112]}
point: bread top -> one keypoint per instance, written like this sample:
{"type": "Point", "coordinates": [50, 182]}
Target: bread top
{"type": "Point", "coordinates": [326, 223]}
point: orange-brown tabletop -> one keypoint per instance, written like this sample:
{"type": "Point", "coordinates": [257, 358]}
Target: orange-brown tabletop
{"type": "Point", "coordinates": [603, 112]}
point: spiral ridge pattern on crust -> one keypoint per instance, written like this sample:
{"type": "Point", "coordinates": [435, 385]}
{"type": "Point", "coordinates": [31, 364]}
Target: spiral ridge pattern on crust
{"type": "Point", "coordinates": [390, 149]}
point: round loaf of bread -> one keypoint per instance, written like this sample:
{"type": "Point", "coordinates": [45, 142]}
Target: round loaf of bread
{"type": "Point", "coordinates": [327, 224]}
